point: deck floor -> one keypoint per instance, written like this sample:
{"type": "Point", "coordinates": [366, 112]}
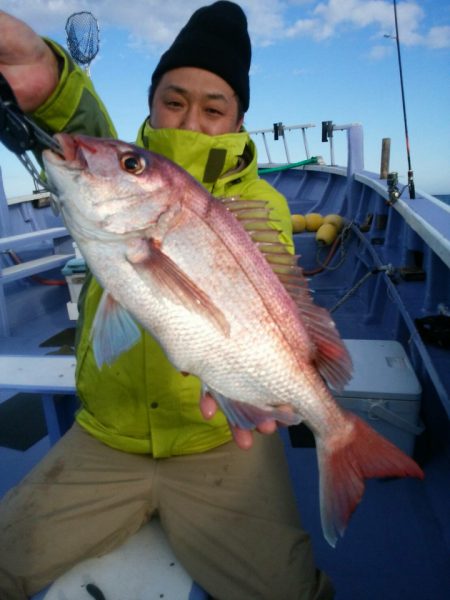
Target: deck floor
{"type": "Point", "coordinates": [393, 548]}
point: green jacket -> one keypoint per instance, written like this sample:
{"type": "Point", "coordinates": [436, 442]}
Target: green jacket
{"type": "Point", "coordinates": [142, 403]}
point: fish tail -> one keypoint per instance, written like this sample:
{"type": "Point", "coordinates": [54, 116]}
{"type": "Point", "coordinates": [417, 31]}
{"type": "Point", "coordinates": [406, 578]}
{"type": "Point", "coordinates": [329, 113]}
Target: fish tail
{"type": "Point", "coordinates": [345, 461]}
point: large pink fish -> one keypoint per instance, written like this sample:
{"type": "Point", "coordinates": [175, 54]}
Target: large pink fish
{"type": "Point", "coordinates": [204, 277]}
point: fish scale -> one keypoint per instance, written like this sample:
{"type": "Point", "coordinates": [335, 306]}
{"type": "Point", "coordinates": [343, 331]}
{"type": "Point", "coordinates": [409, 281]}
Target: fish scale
{"type": "Point", "coordinates": [181, 263]}
{"type": "Point", "coordinates": [255, 337]}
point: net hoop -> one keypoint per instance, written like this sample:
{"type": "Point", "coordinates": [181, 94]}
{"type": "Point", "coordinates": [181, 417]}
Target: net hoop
{"type": "Point", "coordinates": [82, 37]}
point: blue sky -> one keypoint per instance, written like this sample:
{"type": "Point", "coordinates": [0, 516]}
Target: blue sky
{"type": "Point", "coordinates": [312, 61]}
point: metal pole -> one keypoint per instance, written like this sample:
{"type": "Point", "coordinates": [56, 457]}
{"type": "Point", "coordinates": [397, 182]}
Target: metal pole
{"type": "Point", "coordinates": [412, 191]}
{"type": "Point", "coordinates": [305, 142]}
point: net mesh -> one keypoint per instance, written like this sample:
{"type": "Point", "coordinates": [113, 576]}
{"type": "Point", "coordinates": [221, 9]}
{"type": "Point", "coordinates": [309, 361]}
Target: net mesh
{"type": "Point", "coordinates": [82, 37]}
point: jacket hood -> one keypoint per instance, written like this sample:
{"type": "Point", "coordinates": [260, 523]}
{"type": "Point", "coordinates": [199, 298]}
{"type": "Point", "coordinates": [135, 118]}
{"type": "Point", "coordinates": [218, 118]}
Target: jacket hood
{"type": "Point", "coordinates": [215, 161]}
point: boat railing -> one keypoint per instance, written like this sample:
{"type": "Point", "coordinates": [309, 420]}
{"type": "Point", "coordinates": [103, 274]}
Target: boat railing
{"type": "Point", "coordinates": [26, 207]}
{"type": "Point", "coordinates": [279, 131]}
{"type": "Point", "coordinates": [10, 245]}
{"type": "Point", "coordinates": [42, 198]}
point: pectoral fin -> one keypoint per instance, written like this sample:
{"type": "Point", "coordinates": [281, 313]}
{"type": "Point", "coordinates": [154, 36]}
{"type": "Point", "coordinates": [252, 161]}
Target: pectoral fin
{"type": "Point", "coordinates": [180, 288]}
{"type": "Point", "coordinates": [113, 330]}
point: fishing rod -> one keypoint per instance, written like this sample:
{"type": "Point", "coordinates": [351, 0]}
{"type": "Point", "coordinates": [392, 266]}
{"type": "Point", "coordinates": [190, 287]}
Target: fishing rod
{"type": "Point", "coordinates": [20, 134]}
{"type": "Point", "coordinates": [411, 187]}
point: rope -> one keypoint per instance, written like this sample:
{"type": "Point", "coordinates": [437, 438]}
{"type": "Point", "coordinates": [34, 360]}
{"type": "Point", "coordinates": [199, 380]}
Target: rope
{"type": "Point", "coordinates": [338, 242]}
{"type": "Point", "coordinates": [314, 160]}
{"type": "Point", "coordinates": [37, 278]}
{"type": "Point", "coordinates": [387, 268]}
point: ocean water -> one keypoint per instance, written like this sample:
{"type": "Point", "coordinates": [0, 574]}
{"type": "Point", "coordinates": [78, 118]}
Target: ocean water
{"type": "Point", "coordinates": [444, 197]}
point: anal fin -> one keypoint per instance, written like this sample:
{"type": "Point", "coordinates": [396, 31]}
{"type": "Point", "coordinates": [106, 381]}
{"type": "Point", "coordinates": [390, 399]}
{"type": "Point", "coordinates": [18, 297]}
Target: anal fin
{"type": "Point", "coordinates": [247, 416]}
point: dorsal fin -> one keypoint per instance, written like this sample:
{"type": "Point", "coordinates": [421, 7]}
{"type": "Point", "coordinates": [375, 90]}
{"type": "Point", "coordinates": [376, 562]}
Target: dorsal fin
{"type": "Point", "coordinates": [249, 209]}
{"type": "Point", "coordinates": [279, 258]}
{"type": "Point", "coordinates": [331, 356]}
{"type": "Point", "coordinates": [273, 248]}
{"type": "Point", "coordinates": [235, 203]}
{"type": "Point", "coordinates": [265, 236]}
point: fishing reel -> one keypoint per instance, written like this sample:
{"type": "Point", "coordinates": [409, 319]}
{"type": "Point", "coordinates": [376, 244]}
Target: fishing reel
{"type": "Point", "coordinates": [392, 185]}
{"type": "Point", "coordinates": [20, 134]}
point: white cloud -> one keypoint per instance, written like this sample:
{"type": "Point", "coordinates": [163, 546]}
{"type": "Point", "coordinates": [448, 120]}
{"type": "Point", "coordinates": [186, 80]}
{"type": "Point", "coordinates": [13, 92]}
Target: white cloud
{"type": "Point", "coordinates": [379, 52]}
{"type": "Point", "coordinates": [328, 19]}
{"type": "Point", "coordinates": [152, 24]}
{"type": "Point", "coordinates": [438, 37]}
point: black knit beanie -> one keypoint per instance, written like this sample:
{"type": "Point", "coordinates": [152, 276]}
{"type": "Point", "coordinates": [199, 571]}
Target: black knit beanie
{"type": "Point", "coordinates": [215, 39]}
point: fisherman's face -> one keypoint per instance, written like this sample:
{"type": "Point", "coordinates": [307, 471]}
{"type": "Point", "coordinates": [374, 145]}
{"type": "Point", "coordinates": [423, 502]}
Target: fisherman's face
{"type": "Point", "coordinates": [196, 100]}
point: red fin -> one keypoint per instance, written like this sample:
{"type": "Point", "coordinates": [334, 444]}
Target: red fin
{"type": "Point", "coordinates": [329, 353]}
{"type": "Point", "coordinates": [331, 356]}
{"type": "Point", "coordinates": [180, 287]}
{"type": "Point", "coordinates": [344, 463]}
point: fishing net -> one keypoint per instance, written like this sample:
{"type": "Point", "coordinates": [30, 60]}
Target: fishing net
{"type": "Point", "coordinates": [82, 37]}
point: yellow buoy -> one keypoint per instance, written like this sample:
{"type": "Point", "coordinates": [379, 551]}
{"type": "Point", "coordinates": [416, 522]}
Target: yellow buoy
{"type": "Point", "coordinates": [335, 220]}
{"type": "Point", "coordinates": [326, 234]}
{"type": "Point", "coordinates": [313, 221]}
{"type": "Point", "coordinates": [298, 223]}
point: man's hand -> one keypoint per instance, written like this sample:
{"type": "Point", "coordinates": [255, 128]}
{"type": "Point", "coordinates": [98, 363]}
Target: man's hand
{"type": "Point", "coordinates": [242, 437]}
{"type": "Point", "coordinates": [27, 63]}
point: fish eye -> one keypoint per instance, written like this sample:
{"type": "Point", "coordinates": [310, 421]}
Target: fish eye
{"type": "Point", "coordinates": [133, 163]}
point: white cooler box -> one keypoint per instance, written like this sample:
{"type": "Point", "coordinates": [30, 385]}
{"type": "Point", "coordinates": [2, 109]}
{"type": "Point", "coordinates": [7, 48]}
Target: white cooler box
{"type": "Point", "coordinates": [384, 390]}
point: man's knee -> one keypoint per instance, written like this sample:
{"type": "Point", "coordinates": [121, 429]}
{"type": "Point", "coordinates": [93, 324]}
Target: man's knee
{"type": "Point", "coordinates": [10, 587]}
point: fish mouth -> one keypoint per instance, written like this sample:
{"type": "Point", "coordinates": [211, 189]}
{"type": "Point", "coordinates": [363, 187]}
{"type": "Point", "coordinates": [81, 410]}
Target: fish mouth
{"type": "Point", "coordinates": [69, 155]}
{"type": "Point", "coordinates": [71, 152]}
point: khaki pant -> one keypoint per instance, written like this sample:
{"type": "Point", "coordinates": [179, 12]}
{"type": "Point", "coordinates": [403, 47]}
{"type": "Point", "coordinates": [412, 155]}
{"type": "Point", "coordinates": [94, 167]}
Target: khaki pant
{"type": "Point", "coordinates": [230, 517]}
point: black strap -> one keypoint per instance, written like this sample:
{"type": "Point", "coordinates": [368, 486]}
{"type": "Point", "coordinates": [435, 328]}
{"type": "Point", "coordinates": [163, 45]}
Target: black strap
{"type": "Point", "coordinates": [214, 165]}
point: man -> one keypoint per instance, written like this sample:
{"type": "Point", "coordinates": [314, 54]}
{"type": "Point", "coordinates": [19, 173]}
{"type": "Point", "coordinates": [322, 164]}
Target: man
{"type": "Point", "coordinates": [140, 444]}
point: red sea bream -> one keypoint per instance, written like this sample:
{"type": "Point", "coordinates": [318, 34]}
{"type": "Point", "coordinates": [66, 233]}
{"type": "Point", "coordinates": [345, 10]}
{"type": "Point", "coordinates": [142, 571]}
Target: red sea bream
{"type": "Point", "coordinates": [180, 262]}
